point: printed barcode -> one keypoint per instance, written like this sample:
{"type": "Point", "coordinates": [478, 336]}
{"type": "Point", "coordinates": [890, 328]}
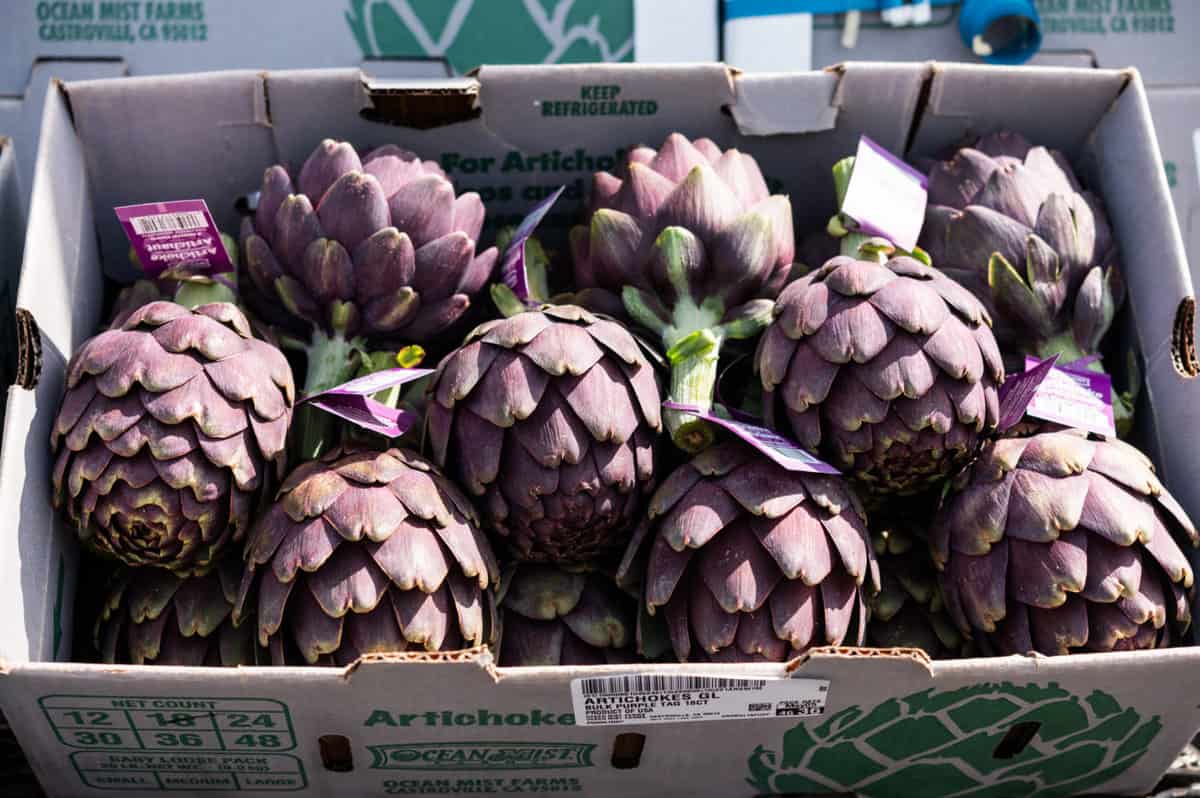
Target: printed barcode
{"type": "Point", "coordinates": [616, 685]}
{"type": "Point", "coordinates": [168, 222]}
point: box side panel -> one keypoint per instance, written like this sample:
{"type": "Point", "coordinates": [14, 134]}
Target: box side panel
{"type": "Point", "coordinates": [1125, 153]}
{"type": "Point", "coordinates": [60, 286]}
{"type": "Point", "coordinates": [1055, 107]}
{"type": "Point", "coordinates": [1176, 113]}
{"type": "Point", "coordinates": [1088, 724]}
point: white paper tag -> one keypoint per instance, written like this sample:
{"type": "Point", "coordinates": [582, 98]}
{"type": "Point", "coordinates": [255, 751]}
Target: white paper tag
{"type": "Point", "coordinates": [638, 699]}
{"type": "Point", "coordinates": [886, 196]}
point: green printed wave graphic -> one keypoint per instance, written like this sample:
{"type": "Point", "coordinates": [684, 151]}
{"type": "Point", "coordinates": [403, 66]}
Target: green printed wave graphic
{"type": "Point", "coordinates": [467, 33]}
{"type": "Point", "coordinates": [985, 741]}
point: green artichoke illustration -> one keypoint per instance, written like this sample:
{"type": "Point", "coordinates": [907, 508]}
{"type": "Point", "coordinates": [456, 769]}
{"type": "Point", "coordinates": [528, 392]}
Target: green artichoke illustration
{"type": "Point", "coordinates": [991, 739]}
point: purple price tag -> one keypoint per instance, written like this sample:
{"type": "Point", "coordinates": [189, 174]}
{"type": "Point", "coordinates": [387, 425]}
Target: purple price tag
{"type": "Point", "coordinates": [886, 196]}
{"type": "Point", "coordinates": [781, 450]}
{"type": "Point", "coordinates": [175, 239]}
{"type": "Point", "coordinates": [1019, 389]}
{"type": "Point", "coordinates": [352, 401]}
{"type": "Point", "coordinates": [512, 269]}
{"type": "Point", "coordinates": [1075, 397]}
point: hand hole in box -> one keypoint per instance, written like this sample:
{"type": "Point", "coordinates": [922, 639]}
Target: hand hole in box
{"type": "Point", "coordinates": [1018, 737]}
{"type": "Point", "coordinates": [336, 754]}
{"type": "Point", "coordinates": [627, 750]}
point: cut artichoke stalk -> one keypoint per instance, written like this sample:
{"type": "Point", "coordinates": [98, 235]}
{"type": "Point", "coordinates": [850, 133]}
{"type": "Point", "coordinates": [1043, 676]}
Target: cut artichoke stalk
{"type": "Point", "coordinates": [697, 248]}
{"type": "Point", "coordinates": [852, 242]}
{"type": "Point", "coordinates": [692, 334]}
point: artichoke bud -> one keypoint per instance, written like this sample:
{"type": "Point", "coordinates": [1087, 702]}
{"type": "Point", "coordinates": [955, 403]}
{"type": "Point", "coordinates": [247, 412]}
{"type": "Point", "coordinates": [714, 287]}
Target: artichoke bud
{"type": "Point", "coordinates": [1012, 293]}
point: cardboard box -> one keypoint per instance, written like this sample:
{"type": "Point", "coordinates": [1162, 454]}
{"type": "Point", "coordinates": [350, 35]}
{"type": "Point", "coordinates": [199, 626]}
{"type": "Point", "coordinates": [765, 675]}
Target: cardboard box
{"type": "Point", "coordinates": [1176, 111]}
{"type": "Point", "coordinates": [12, 242]}
{"type": "Point", "coordinates": [43, 39]}
{"type": "Point", "coordinates": [893, 723]}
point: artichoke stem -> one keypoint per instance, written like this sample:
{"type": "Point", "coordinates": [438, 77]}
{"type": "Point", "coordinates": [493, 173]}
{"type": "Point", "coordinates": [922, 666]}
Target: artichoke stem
{"type": "Point", "coordinates": [331, 361]}
{"type": "Point", "coordinates": [693, 380]}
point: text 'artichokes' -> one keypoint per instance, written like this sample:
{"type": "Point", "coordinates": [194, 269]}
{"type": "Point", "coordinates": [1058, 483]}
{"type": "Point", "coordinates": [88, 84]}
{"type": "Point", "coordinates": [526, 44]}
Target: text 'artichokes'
{"type": "Point", "coordinates": [1010, 222]}
{"type": "Point", "coordinates": [550, 418]}
{"type": "Point", "coordinates": [1057, 543]}
{"type": "Point", "coordinates": [368, 552]}
{"type": "Point", "coordinates": [153, 617]}
{"type": "Point", "coordinates": [554, 616]}
{"type": "Point", "coordinates": [748, 561]}
{"type": "Point", "coordinates": [697, 246]}
{"type": "Point", "coordinates": [889, 371]}
{"type": "Point", "coordinates": [168, 434]}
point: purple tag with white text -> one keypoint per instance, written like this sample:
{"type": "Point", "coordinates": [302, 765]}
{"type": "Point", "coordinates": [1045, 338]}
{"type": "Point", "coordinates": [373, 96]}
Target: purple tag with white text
{"type": "Point", "coordinates": [1076, 397]}
{"type": "Point", "coordinates": [175, 239]}
{"type": "Point", "coordinates": [886, 196]}
{"type": "Point", "coordinates": [352, 401]}
{"type": "Point", "coordinates": [784, 452]}
{"type": "Point", "coordinates": [1019, 390]}
{"type": "Point", "coordinates": [512, 268]}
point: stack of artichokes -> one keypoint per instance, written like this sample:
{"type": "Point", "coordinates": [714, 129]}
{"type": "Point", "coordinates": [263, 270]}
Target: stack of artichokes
{"type": "Point", "coordinates": [548, 505]}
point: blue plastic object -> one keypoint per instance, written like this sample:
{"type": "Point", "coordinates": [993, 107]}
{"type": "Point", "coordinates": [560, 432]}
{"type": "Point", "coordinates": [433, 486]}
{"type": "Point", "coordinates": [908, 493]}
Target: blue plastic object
{"type": "Point", "coordinates": [1011, 29]}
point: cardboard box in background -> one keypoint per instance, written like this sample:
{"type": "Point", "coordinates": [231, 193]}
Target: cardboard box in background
{"type": "Point", "coordinates": [893, 723]}
{"type": "Point", "coordinates": [411, 39]}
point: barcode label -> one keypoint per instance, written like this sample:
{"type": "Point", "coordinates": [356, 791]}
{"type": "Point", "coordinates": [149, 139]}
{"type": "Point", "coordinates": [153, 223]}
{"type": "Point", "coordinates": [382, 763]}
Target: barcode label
{"type": "Point", "coordinates": [643, 698]}
{"type": "Point", "coordinates": [168, 222]}
{"type": "Point", "coordinates": [658, 684]}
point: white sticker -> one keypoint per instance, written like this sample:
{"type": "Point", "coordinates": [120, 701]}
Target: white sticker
{"type": "Point", "coordinates": [652, 698]}
{"type": "Point", "coordinates": [886, 196]}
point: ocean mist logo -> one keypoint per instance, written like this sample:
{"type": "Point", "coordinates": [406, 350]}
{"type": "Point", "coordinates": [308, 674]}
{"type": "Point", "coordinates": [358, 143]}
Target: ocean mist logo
{"type": "Point", "coordinates": [489, 756]}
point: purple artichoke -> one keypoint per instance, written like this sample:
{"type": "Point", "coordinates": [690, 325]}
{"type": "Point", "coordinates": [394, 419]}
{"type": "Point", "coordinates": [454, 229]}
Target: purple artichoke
{"type": "Point", "coordinates": [1057, 543]}
{"type": "Point", "coordinates": [909, 611]}
{"type": "Point", "coordinates": [368, 552]}
{"type": "Point", "coordinates": [153, 617]}
{"type": "Point", "coordinates": [1010, 222]}
{"type": "Point", "coordinates": [749, 561]}
{"type": "Point", "coordinates": [364, 252]}
{"type": "Point", "coordinates": [697, 247]}
{"type": "Point", "coordinates": [888, 370]}
{"type": "Point", "coordinates": [168, 433]}
{"type": "Point", "coordinates": [549, 418]}
{"type": "Point", "coordinates": [554, 616]}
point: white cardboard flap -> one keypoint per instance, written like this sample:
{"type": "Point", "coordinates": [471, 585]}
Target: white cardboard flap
{"type": "Point", "coordinates": [789, 102]}
{"type": "Point", "coordinates": [1056, 107]}
{"type": "Point", "coordinates": [59, 270]}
